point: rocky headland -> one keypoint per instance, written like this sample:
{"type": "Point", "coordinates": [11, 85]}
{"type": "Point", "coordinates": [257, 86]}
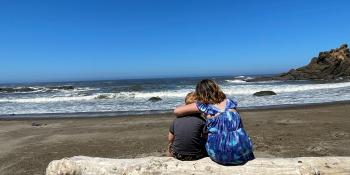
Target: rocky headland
{"type": "Point", "coordinates": [328, 65]}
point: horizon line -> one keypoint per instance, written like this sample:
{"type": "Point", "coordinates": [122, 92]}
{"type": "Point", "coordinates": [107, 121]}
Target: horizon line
{"type": "Point", "coordinates": [135, 78]}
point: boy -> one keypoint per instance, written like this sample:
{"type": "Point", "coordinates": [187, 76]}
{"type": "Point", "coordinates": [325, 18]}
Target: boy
{"type": "Point", "coordinates": [186, 135]}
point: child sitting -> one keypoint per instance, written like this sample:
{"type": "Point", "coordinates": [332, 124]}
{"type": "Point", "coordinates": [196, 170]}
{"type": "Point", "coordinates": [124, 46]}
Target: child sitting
{"type": "Point", "coordinates": [186, 137]}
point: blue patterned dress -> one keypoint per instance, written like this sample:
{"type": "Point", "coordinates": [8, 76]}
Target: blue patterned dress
{"type": "Point", "coordinates": [228, 143]}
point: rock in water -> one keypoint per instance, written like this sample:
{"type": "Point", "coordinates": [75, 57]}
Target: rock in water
{"type": "Point", "coordinates": [154, 99]}
{"type": "Point", "coordinates": [102, 96]}
{"type": "Point", "coordinates": [329, 65]}
{"type": "Point", "coordinates": [264, 93]}
{"type": "Point", "coordinates": [16, 89]}
{"type": "Point", "coordinates": [81, 165]}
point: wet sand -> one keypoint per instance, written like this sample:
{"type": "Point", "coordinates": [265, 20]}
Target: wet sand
{"type": "Point", "coordinates": [318, 130]}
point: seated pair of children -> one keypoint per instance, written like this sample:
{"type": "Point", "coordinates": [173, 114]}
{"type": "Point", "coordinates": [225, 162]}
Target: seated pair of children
{"type": "Point", "coordinates": [227, 141]}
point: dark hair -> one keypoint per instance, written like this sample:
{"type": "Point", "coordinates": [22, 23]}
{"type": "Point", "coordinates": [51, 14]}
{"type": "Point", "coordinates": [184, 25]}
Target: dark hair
{"type": "Point", "coordinates": [208, 92]}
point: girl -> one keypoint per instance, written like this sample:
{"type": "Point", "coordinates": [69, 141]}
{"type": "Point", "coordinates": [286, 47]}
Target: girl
{"type": "Point", "coordinates": [228, 143]}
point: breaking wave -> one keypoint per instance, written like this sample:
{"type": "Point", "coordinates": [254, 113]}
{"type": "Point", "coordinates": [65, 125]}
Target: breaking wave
{"type": "Point", "coordinates": [35, 89]}
{"type": "Point", "coordinates": [236, 81]}
{"type": "Point", "coordinates": [285, 88]}
{"type": "Point", "coordinates": [238, 89]}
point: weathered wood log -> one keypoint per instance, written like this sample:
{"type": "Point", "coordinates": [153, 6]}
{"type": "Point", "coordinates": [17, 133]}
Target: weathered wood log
{"type": "Point", "coordinates": [81, 165]}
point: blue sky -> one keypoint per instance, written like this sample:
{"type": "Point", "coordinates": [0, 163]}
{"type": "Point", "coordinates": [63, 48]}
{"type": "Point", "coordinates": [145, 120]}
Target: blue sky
{"type": "Point", "coordinates": [67, 40]}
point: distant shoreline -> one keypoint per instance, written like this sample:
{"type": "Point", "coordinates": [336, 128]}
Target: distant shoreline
{"type": "Point", "coordinates": [108, 114]}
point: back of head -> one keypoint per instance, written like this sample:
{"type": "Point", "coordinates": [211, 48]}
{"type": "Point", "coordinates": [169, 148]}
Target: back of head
{"type": "Point", "coordinates": [208, 92]}
{"type": "Point", "coordinates": [190, 98]}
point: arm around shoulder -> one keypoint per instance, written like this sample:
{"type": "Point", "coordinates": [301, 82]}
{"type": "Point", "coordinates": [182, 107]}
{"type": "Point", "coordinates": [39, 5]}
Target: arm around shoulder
{"type": "Point", "coordinates": [186, 109]}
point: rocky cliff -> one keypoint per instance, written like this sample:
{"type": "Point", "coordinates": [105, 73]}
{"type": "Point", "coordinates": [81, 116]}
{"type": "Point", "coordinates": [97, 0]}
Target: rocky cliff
{"type": "Point", "coordinates": [329, 65]}
{"type": "Point", "coordinates": [81, 165]}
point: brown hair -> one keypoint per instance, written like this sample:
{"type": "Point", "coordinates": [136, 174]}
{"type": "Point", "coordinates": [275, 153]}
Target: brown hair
{"type": "Point", "coordinates": [208, 92]}
{"type": "Point", "coordinates": [190, 98]}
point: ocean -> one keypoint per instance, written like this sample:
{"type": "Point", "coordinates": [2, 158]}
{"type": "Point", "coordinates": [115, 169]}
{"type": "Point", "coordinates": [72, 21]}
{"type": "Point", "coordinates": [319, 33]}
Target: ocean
{"type": "Point", "coordinates": [132, 96]}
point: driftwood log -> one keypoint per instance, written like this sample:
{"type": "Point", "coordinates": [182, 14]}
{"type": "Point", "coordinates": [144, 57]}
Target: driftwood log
{"type": "Point", "coordinates": [81, 165]}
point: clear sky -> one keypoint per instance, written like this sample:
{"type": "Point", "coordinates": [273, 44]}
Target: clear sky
{"type": "Point", "coordinates": [55, 40]}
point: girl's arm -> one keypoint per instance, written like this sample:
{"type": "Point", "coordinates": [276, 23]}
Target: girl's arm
{"type": "Point", "coordinates": [186, 109]}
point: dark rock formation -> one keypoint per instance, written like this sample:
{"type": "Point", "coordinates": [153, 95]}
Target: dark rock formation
{"type": "Point", "coordinates": [102, 96]}
{"type": "Point", "coordinates": [31, 89]}
{"type": "Point", "coordinates": [16, 89]}
{"type": "Point", "coordinates": [264, 93]}
{"type": "Point", "coordinates": [329, 65]}
{"type": "Point", "coordinates": [154, 99]}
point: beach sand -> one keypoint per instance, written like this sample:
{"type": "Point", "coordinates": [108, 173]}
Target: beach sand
{"type": "Point", "coordinates": [316, 130]}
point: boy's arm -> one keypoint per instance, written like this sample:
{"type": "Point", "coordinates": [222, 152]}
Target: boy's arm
{"type": "Point", "coordinates": [170, 138]}
{"type": "Point", "coordinates": [170, 141]}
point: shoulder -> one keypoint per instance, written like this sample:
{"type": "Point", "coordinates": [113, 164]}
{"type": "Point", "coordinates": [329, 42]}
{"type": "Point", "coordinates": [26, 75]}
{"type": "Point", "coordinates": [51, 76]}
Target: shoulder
{"type": "Point", "coordinates": [192, 119]}
{"type": "Point", "coordinates": [234, 101]}
{"type": "Point", "coordinates": [231, 103]}
{"type": "Point", "coordinates": [205, 108]}
{"type": "Point", "coordinates": [201, 105]}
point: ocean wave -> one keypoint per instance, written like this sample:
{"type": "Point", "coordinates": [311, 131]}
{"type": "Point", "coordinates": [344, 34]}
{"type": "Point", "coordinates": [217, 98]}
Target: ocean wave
{"type": "Point", "coordinates": [48, 89]}
{"type": "Point", "coordinates": [238, 81]}
{"type": "Point", "coordinates": [145, 95]}
{"type": "Point", "coordinates": [17, 89]}
{"type": "Point", "coordinates": [48, 99]}
{"type": "Point", "coordinates": [281, 88]}
{"type": "Point", "coordinates": [243, 77]}
{"type": "Point", "coordinates": [127, 88]}
{"type": "Point", "coordinates": [61, 87]}
{"type": "Point", "coordinates": [33, 89]}
{"type": "Point", "coordinates": [99, 96]}
{"type": "Point", "coordinates": [105, 96]}
{"type": "Point", "coordinates": [240, 77]}
{"type": "Point", "coordinates": [231, 90]}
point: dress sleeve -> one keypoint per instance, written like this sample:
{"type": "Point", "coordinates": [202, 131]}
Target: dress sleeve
{"type": "Point", "coordinates": [205, 108]}
{"type": "Point", "coordinates": [232, 104]}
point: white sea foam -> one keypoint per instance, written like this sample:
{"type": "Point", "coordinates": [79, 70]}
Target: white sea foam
{"type": "Point", "coordinates": [236, 81]}
{"type": "Point", "coordinates": [243, 77]}
{"type": "Point", "coordinates": [286, 88]}
{"type": "Point", "coordinates": [232, 90]}
{"type": "Point", "coordinates": [48, 99]}
{"type": "Point", "coordinates": [20, 90]}
{"type": "Point", "coordinates": [240, 77]}
{"type": "Point", "coordinates": [37, 89]}
{"type": "Point", "coordinates": [100, 96]}
{"type": "Point", "coordinates": [174, 93]}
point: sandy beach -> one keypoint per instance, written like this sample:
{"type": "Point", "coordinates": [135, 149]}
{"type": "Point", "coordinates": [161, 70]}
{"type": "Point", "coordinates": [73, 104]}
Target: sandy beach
{"type": "Point", "coordinates": [316, 130]}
